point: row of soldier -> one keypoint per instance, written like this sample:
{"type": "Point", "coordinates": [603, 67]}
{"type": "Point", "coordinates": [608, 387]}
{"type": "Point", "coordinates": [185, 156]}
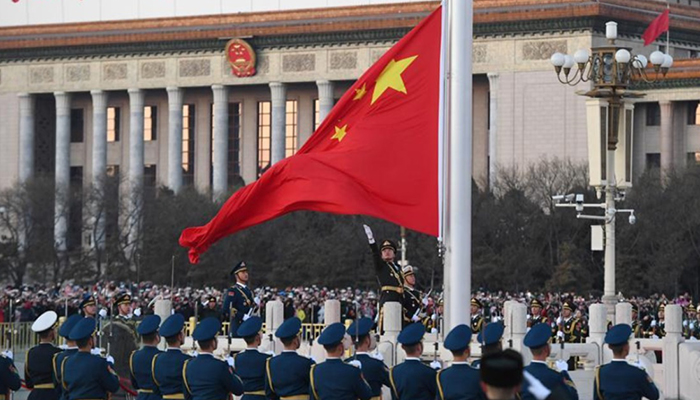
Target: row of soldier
{"type": "Point", "coordinates": [78, 374]}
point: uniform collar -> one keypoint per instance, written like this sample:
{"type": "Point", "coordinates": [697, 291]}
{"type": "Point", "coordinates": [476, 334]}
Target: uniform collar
{"type": "Point", "coordinates": [72, 348]}
{"type": "Point", "coordinates": [359, 353]}
{"type": "Point", "coordinates": [619, 360]}
{"type": "Point", "coordinates": [538, 362]}
{"type": "Point", "coordinates": [460, 363]}
{"type": "Point", "coordinates": [412, 359]}
{"type": "Point", "coordinates": [174, 349]}
{"type": "Point", "coordinates": [205, 354]}
{"type": "Point", "coordinates": [241, 285]}
{"type": "Point", "coordinates": [289, 351]}
{"type": "Point", "coordinates": [251, 349]}
{"type": "Point", "coordinates": [333, 359]}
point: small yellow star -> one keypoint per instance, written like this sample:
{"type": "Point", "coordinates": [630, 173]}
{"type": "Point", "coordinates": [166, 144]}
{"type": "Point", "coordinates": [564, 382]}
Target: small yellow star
{"type": "Point", "coordinates": [391, 77]}
{"type": "Point", "coordinates": [361, 92]}
{"type": "Point", "coordinates": [340, 133]}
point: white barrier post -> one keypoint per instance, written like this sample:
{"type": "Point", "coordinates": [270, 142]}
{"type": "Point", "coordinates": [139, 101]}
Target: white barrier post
{"type": "Point", "coordinates": [674, 327]}
{"type": "Point", "coordinates": [392, 318]}
{"type": "Point", "coordinates": [163, 309]}
{"type": "Point", "coordinates": [623, 313]}
{"type": "Point", "coordinates": [274, 316]}
{"type": "Point", "coordinates": [331, 312]}
{"type": "Point", "coordinates": [599, 327]}
{"type": "Point", "coordinates": [519, 329]}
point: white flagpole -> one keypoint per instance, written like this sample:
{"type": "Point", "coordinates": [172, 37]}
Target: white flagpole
{"type": "Point", "coordinates": [459, 218]}
{"type": "Point", "coordinates": [668, 31]}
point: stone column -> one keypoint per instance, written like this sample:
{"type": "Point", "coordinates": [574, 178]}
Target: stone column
{"type": "Point", "coordinates": [598, 328]}
{"type": "Point", "coordinates": [175, 138]}
{"type": "Point", "coordinates": [26, 136]}
{"type": "Point", "coordinates": [136, 166]}
{"type": "Point", "coordinates": [331, 312]}
{"type": "Point", "coordinates": [325, 99]}
{"type": "Point", "coordinates": [274, 316]}
{"type": "Point", "coordinates": [623, 313]}
{"type": "Point", "coordinates": [220, 136]}
{"type": "Point", "coordinates": [278, 120]}
{"type": "Point", "coordinates": [674, 329]}
{"type": "Point", "coordinates": [99, 164]}
{"type": "Point", "coordinates": [493, 126]}
{"type": "Point", "coordinates": [62, 172]}
{"type": "Point", "coordinates": [666, 135]}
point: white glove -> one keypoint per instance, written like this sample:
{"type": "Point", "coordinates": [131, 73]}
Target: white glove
{"type": "Point", "coordinates": [256, 300]}
{"type": "Point", "coordinates": [654, 337]}
{"type": "Point", "coordinates": [377, 356]}
{"type": "Point", "coordinates": [194, 353]}
{"type": "Point", "coordinates": [561, 365]}
{"type": "Point", "coordinates": [368, 232]}
{"type": "Point", "coordinates": [356, 363]}
{"type": "Point", "coordinates": [245, 317]}
{"type": "Point", "coordinates": [103, 313]}
{"type": "Point", "coordinates": [535, 387]}
{"type": "Point", "coordinates": [638, 364]}
{"type": "Point", "coordinates": [685, 323]}
{"type": "Point", "coordinates": [110, 359]}
{"type": "Point", "coordinates": [692, 325]}
{"type": "Point", "coordinates": [653, 322]}
{"type": "Point", "coordinates": [96, 351]}
{"type": "Point", "coordinates": [137, 312]}
{"type": "Point", "coordinates": [8, 354]}
{"type": "Point", "coordinates": [560, 334]}
{"type": "Point", "coordinates": [433, 330]}
{"type": "Point", "coordinates": [528, 316]}
{"type": "Point", "coordinates": [433, 317]}
{"type": "Point", "coordinates": [415, 318]}
{"type": "Point", "coordinates": [63, 346]}
{"type": "Point", "coordinates": [425, 301]}
{"type": "Point", "coordinates": [435, 364]}
{"type": "Point", "coordinates": [559, 320]}
{"type": "Point", "coordinates": [230, 361]}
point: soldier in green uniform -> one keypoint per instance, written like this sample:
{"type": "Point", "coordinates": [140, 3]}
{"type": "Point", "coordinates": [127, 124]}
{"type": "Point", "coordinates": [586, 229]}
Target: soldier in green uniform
{"type": "Point", "coordinates": [477, 323]}
{"type": "Point", "coordinates": [388, 272]}
{"type": "Point", "coordinates": [636, 324]}
{"type": "Point", "coordinates": [412, 298]}
{"type": "Point", "coordinates": [536, 316]}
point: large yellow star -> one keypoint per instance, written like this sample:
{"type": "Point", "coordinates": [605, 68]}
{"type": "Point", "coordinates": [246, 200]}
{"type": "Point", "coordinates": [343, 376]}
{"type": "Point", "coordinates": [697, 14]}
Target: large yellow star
{"type": "Point", "coordinates": [360, 92]}
{"type": "Point", "coordinates": [340, 133]}
{"type": "Point", "coordinates": [391, 77]}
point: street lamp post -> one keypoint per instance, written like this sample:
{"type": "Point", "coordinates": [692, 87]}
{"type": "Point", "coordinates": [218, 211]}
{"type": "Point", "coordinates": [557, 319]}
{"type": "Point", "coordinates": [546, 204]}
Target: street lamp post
{"type": "Point", "coordinates": [611, 69]}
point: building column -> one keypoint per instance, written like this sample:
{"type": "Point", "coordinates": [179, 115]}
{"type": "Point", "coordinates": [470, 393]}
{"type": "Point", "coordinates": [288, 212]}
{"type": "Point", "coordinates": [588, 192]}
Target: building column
{"type": "Point", "coordinates": [26, 136]}
{"type": "Point", "coordinates": [62, 171]}
{"type": "Point", "coordinates": [278, 121]}
{"type": "Point", "coordinates": [325, 99]}
{"type": "Point", "coordinates": [666, 108]}
{"type": "Point", "coordinates": [220, 133]}
{"type": "Point", "coordinates": [136, 166]}
{"type": "Point", "coordinates": [99, 164]}
{"type": "Point", "coordinates": [493, 126]}
{"type": "Point", "coordinates": [175, 138]}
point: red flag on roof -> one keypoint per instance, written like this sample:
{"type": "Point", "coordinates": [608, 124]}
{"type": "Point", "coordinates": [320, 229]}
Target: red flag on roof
{"type": "Point", "coordinates": [658, 26]}
{"type": "Point", "coordinates": [375, 154]}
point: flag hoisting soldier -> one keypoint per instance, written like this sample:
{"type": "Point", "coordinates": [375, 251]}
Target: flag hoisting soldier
{"type": "Point", "coordinates": [38, 372]}
{"type": "Point", "coordinates": [618, 379]}
{"type": "Point", "coordinates": [413, 301]}
{"type": "Point", "coordinates": [334, 379]}
{"type": "Point", "coordinates": [71, 349]}
{"type": "Point", "coordinates": [388, 272]}
{"type": "Point", "coordinates": [238, 301]}
{"type": "Point", "coordinates": [166, 367]}
{"type": "Point", "coordinates": [374, 370]}
{"type": "Point", "coordinates": [287, 374]}
{"type": "Point", "coordinates": [9, 377]}
{"type": "Point", "coordinates": [560, 383]}
{"type": "Point", "coordinates": [460, 381]}
{"type": "Point", "coordinates": [140, 361]}
{"type": "Point", "coordinates": [412, 379]}
{"type": "Point", "coordinates": [205, 376]}
{"type": "Point", "coordinates": [477, 323]}
{"type": "Point", "coordinates": [250, 363]}
{"type": "Point", "coordinates": [85, 375]}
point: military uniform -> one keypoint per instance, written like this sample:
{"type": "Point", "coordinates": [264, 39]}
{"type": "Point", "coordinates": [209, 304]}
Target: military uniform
{"type": "Point", "coordinates": [334, 379]}
{"type": "Point", "coordinates": [490, 340]}
{"type": "Point", "coordinates": [38, 371]}
{"type": "Point", "coordinates": [558, 382]}
{"type": "Point", "coordinates": [166, 367]}
{"type": "Point", "coordinates": [536, 318]}
{"type": "Point", "coordinates": [390, 277]}
{"type": "Point", "coordinates": [250, 363]}
{"type": "Point", "coordinates": [9, 378]}
{"type": "Point", "coordinates": [287, 375]}
{"type": "Point", "coordinates": [412, 379]}
{"type": "Point", "coordinates": [141, 361]}
{"type": "Point", "coordinates": [84, 375]}
{"type": "Point", "coordinates": [237, 302]}
{"type": "Point", "coordinates": [58, 358]}
{"type": "Point", "coordinates": [206, 377]}
{"type": "Point", "coordinates": [128, 320]}
{"type": "Point", "coordinates": [375, 372]}
{"type": "Point", "coordinates": [412, 300]}
{"type": "Point", "coordinates": [460, 381]}
{"type": "Point", "coordinates": [477, 322]}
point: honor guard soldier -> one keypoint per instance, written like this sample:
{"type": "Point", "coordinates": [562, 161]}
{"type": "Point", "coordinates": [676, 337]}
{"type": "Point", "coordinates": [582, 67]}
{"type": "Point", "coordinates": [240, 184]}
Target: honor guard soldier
{"type": "Point", "coordinates": [388, 272]}
{"type": "Point", "coordinates": [239, 300]}
{"type": "Point", "coordinates": [334, 379]}
{"type": "Point", "coordinates": [536, 317]}
{"type": "Point", "coordinates": [9, 378]}
{"type": "Point", "coordinates": [618, 379]}
{"type": "Point", "coordinates": [659, 326]}
{"type": "Point", "coordinates": [123, 302]}
{"type": "Point", "coordinates": [287, 375]}
{"type": "Point", "coordinates": [166, 367]}
{"type": "Point", "coordinates": [250, 363]}
{"type": "Point", "coordinates": [460, 381]}
{"type": "Point", "coordinates": [570, 326]}
{"type": "Point", "coordinates": [689, 324]}
{"type": "Point", "coordinates": [207, 377]}
{"type": "Point", "coordinates": [88, 306]}
{"type": "Point", "coordinates": [637, 328]}
{"type": "Point", "coordinates": [374, 371]}
{"type": "Point", "coordinates": [412, 298]}
{"type": "Point", "coordinates": [412, 379]}
{"type": "Point", "coordinates": [85, 375]}
{"type": "Point", "coordinates": [477, 319]}
{"type": "Point", "coordinates": [210, 310]}
{"type": "Point", "coordinates": [490, 340]}
{"type": "Point", "coordinates": [38, 372]}
{"type": "Point", "coordinates": [140, 361]}
{"type": "Point", "coordinates": [71, 349]}
{"type": "Point", "coordinates": [559, 383]}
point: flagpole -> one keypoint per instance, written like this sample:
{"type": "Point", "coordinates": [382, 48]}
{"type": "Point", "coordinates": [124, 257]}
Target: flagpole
{"type": "Point", "coordinates": [459, 217]}
{"type": "Point", "coordinates": [668, 31]}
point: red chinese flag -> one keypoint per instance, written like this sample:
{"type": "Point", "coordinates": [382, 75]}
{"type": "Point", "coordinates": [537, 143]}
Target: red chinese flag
{"type": "Point", "coordinates": [658, 26]}
{"type": "Point", "coordinates": [375, 154]}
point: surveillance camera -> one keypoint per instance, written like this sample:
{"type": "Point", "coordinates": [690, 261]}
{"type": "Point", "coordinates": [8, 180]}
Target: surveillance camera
{"type": "Point", "coordinates": [632, 219]}
{"type": "Point", "coordinates": [569, 197]}
{"type": "Point", "coordinates": [558, 197]}
{"type": "Point", "coordinates": [579, 203]}
{"type": "Point", "coordinates": [579, 198]}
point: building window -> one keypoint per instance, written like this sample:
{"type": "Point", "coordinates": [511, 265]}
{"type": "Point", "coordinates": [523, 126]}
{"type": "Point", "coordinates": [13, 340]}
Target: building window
{"type": "Point", "coordinates": [149, 180]}
{"type": "Point", "coordinates": [264, 130]}
{"type": "Point", "coordinates": [75, 209]}
{"type": "Point", "coordinates": [290, 136]}
{"type": "Point", "coordinates": [234, 142]}
{"type": "Point", "coordinates": [317, 114]}
{"type": "Point", "coordinates": [653, 114]}
{"type": "Point", "coordinates": [150, 123]}
{"type": "Point", "coordinates": [188, 134]}
{"type": "Point", "coordinates": [653, 160]}
{"type": "Point", "coordinates": [113, 124]}
{"type": "Point", "coordinates": [77, 125]}
{"type": "Point", "coordinates": [694, 159]}
{"type": "Point", "coordinates": [693, 113]}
